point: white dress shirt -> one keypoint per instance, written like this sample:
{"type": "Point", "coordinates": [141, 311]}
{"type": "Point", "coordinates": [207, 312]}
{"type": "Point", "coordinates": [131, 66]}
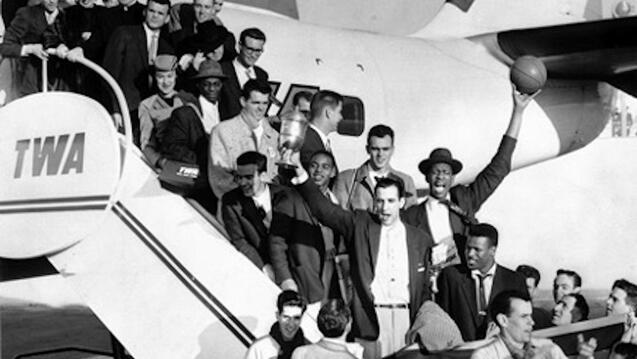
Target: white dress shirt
{"type": "Point", "coordinates": [438, 217]}
{"type": "Point", "coordinates": [210, 114]}
{"type": "Point", "coordinates": [258, 133]}
{"type": "Point", "coordinates": [488, 283]}
{"type": "Point", "coordinates": [243, 73]}
{"type": "Point", "coordinates": [263, 200]}
{"type": "Point", "coordinates": [149, 41]}
{"type": "Point", "coordinates": [391, 276]}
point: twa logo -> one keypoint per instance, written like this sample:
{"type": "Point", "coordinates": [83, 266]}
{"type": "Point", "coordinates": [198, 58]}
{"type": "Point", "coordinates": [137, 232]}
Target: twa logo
{"type": "Point", "coordinates": [62, 154]}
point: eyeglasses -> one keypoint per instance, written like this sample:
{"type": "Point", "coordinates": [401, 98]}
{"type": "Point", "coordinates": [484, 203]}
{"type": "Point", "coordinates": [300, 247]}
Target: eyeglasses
{"type": "Point", "coordinates": [252, 49]}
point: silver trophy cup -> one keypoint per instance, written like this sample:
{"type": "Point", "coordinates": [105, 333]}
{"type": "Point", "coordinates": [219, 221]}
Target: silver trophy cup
{"type": "Point", "coordinates": [291, 136]}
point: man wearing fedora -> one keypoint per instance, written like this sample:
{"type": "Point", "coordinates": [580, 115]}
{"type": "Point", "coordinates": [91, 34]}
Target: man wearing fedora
{"type": "Point", "coordinates": [448, 210]}
{"type": "Point", "coordinates": [187, 132]}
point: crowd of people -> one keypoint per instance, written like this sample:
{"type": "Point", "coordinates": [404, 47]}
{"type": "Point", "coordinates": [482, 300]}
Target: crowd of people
{"type": "Point", "coordinates": [378, 268]}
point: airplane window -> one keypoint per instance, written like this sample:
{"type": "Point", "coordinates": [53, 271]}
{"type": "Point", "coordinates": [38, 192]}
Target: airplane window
{"type": "Point", "coordinates": [353, 123]}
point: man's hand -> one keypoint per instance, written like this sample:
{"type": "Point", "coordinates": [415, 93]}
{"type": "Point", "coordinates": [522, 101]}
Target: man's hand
{"type": "Point", "coordinates": [61, 51]}
{"type": "Point", "coordinates": [586, 350]}
{"type": "Point", "coordinates": [268, 271]}
{"type": "Point", "coordinates": [630, 329]}
{"type": "Point", "coordinates": [75, 54]}
{"type": "Point", "coordinates": [35, 50]}
{"type": "Point", "coordinates": [197, 60]}
{"type": "Point", "coordinates": [289, 284]}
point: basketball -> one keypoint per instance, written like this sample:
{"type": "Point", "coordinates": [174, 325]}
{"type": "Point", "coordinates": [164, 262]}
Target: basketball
{"type": "Point", "coordinates": [528, 74]}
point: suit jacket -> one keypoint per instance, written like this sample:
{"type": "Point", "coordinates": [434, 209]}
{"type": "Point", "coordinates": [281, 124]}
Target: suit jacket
{"type": "Point", "coordinates": [245, 228]}
{"type": "Point", "coordinates": [496, 349]}
{"type": "Point", "coordinates": [29, 26]}
{"type": "Point", "coordinates": [228, 140]}
{"type": "Point", "coordinates": [297, 248]}
{"type": "Point", "coordinates": [327, 349]}
{"type": "Point", "coordinates": [126, 59]}
{"type": "Point", "coordinates": [311, 144]}
{"type": "Point", "coordinates": [457, 296]}
{"type": "Point", "coordinates": [469, 198]}
{"type": "Point", "coordinates": [361, 233]}
{"type": "Point", "coordinates": [105, 21]}
{"type": "Point", "coordinates": [354, 190]}
{"type": "Point", "coordinates": [184, 139]}
{"type": "Point", "coordinates": [229, 105]}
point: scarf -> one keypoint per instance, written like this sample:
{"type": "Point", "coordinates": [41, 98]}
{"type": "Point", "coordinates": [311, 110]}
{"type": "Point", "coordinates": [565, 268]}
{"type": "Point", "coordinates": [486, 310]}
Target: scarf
{"type": "Point", "coordinates": [287, 347]}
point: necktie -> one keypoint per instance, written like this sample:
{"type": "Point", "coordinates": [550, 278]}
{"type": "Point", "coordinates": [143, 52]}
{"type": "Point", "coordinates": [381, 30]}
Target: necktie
{"type": "Point", "coordinates": [482, 300]}
{"type": "Point", "coordinates": [152, 52]}
{"type": "Point", "coordinates": [250, 73]}
{"type": "Point", "coordinates": [328, 145]}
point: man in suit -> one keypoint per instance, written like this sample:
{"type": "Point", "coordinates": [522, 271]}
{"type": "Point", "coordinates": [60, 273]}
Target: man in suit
{"type": "Point", "coordinates": [354, 187]}
{"type": "Point", "coordinates": [247, 209]}
{"type": "Point", "coordinates": [326, 111]}
{"type": "Point", "coordinates": [447, 211]}
{"type": "Point", "coordinates": [511, 311]}
{"type": "Point", "coordinates": [389, 263]}
{"type": "Point", "coordinates": [132, 50]}
{"type": "Point", "coordinates": [301, 248]}
{"type": "Point", "coordinates": [248, 131]}
{"type": "Point", "coordinates": [242, 69]}
{"type": "Point", "coordinates": [33, 30]}
{"type": "Point", "coordinates": [185, 137]}
{"type": "Point", "coordinates": [186, 18]}
{"type": "Point", "coordinates": [541, 316]}
{"type": "Point", "coordinates": [466, 291]}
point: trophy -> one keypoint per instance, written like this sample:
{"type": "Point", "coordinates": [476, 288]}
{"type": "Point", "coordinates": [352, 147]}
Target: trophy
{"type": "Point", "coordinates": [291, 136]}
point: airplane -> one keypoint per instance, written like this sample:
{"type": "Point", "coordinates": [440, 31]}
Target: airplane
{"type": "Point", "coordinates": [104, 227]}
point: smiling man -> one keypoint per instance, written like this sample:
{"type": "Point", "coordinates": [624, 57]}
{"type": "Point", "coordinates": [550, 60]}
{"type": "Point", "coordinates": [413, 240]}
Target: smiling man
{"type": "Point", "coordinates": [465, 292]}
{"type": "Point", "coordinates": [511, 311]}
{"type": "Point", "coordinates": [247, 209]}
{"type": "Point", "coordinates": [354, 187]}
{"type": "Point", "coordinates": [286, 334]}
{"type": "Point", "coordinates": [571, 308]}
{"type": "Point", "coordinates": [248, 131]}
{"type": "Point", "coordinates": [449, 209]}
{"type": "Point", "coordinates": [301, 248]}
{"type": "Point", "coordinates": [389, 263]}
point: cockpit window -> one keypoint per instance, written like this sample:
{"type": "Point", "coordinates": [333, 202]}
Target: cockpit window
{"type": "Point", "coordinates": [353, 123]}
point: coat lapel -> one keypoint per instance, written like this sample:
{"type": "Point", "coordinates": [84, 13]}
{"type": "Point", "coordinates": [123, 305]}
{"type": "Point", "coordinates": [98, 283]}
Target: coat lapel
{"type": "Point", "coordinates": [498, 283]}
{"type": "Point", "coordinates": [469, 289]}
{"type": "Point", "coordinates": [249, 210]}
{"type": "Point", "coordinates": [374, 243]}
{"type": "Point", "coordinates": [140, 41]}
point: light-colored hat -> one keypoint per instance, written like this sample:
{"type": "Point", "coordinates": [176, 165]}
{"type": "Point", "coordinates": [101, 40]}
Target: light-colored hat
{"type": "Point", "coordinates": [165, 63]}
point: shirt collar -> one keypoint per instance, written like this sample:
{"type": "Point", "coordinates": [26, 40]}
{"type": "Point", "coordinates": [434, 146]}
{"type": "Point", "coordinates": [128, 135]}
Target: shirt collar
{"type": "Point", "coordinates": [491, 271]}
{"type": "Point", "coordinates": [263, 197]}
{"type": "Point", "coordinates": [149, 31]}
{"type": "Point", "coordinates": [205, 103]}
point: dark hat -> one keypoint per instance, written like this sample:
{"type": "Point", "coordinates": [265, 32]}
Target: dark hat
{"type": "Point", "coordinates": [440, 155]}
{"type": "Point", "coordinates": [165, 63]}
{"type": "Point", "coordinates": [209, 37]}
{"type": "Point", "coordinates": [209, 68]}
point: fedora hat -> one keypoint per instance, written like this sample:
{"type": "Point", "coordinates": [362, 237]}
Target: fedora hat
{"type": "Point", "coordinates": [209, 68]}
{"type": "Point", "coordinates": [440, 155]}
{"type": "Point", "coordinates": [208, 38]}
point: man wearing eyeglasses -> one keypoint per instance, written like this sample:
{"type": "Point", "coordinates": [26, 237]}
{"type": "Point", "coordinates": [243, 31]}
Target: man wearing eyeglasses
{"type": "Point", "coordinates": [240, 70]}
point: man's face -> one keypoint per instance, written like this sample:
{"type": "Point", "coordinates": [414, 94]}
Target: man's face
{"type": "Point", "coordinates": [255, 106]}
{"type": "Point", "coordinates": [204, 10]}
{"type": "Point", "coordinates": [249, 180]}
{"type": "Point", "coordinates": [303, 106]}
{"type": "Point", "coordinates": [218, 4]}
{"type": "Point", "coordinates": [563, 311]}
{"type": "Point", "coordinates": [440, 179]}
{"type": "Point", "coordinates": [165, 82]}
{"type": "Point", "coordinates": [387, 204]}
{"type": "Point", "coordinates": [289, 321]}
{"type": "Point", "coordinates": [156, 15]}
{"type": "Point", "coordinates": [479, 253]}
{"type": "Point", "coordinates": [210, 88]}
{"type": "Point", "coordinates": [216, 54]}
{"type": "Point", "coordinates": [563, 285]}
{"type": "Point", "coordinates": [518, 325]}
{"type": "Point", "coordinates": [616, 302]}
{"type": "Point", "coordinates": [50, 5]}
{"type": "Point", "coordinates": [531, 286]}
{"type": "Point", "coordinates": [380, 150]}
{"type": "Point", "coordinates": [335, 115]}
{"type": "Point", "coordinates": [250, 51]}
{"type": "Point", "coordinates": [321, 170]}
